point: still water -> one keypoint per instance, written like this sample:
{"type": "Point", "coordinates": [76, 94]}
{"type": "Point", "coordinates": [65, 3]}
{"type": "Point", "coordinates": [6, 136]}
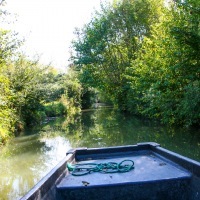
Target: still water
{"type": "Point", "coordinates": [27, 158]}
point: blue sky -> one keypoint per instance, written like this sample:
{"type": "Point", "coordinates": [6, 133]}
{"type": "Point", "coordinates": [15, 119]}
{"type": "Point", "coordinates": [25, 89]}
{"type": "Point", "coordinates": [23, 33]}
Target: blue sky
{"type": "Point", "coordinates": [48, 26]}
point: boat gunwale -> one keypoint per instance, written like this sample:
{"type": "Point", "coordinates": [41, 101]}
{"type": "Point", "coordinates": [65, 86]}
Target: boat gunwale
{"type": "Point", "coordinates": [45, 184]}
{"type": "Point", "coordinates": [187, 163]}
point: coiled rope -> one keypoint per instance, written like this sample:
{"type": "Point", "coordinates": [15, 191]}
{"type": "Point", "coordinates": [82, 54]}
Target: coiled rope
{"type": "Point", "coordinates": [110, 167]}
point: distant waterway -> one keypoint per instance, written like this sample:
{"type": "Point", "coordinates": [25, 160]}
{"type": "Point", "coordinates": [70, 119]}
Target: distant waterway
{"type": "Point", "coordinates": [31, 155]}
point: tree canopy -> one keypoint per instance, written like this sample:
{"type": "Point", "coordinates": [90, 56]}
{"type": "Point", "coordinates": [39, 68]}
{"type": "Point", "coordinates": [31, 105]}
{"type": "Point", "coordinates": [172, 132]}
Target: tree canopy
{"type": "Point", "coordinates": [30, 91]}
{"type": "Point", "coordinates": [145, 55]}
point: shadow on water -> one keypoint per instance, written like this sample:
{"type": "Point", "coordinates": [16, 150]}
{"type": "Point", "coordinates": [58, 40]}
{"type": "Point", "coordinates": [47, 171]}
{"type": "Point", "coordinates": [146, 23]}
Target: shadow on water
{"type": "Point", "coordinates": [27, 158]}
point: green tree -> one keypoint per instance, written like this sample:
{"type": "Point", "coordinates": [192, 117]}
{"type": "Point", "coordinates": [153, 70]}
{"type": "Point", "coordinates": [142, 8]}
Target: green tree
{"type": "Point", "coordinates": [26, 78]}
{"type": "Point", "coordinates": [106, 46]}
{"type": "Point", "coordinates": [165, 76]}
{"type": "Point", "coordinates": [53, 84]}
{"type": "Point", "coordinates": [8, 49]}
{"type": "Point", "coordinates": [26, 87]}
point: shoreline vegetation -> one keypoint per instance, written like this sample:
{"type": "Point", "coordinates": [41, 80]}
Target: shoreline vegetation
{"type": "Point", "coordinates": [141, 56]}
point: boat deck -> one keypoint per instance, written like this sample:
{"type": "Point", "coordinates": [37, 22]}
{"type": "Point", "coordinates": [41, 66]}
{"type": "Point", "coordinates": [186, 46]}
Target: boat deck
{"type": "Point", "coordinates": [142, 182]}
{"type": "Point", "coordinates": [158, 174]}
{"type": "Point", "coordinates": [148, 167]}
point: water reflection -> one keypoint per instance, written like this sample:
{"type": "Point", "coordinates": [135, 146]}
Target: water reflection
{"type": "Point", "coordinates": [26, 159]}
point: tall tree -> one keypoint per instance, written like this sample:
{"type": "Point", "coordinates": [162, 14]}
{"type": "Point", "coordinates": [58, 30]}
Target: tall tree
{"type": "Point", "coordinates": [106, 46]}
{"type": "Point", "coordinates": [165, 77]}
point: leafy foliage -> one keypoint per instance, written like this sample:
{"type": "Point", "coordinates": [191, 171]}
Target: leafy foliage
{"type": "Point", "coordinates": [8, 48]}
{"type": "Point", "coordinates": [145, 55]}
{"type": "Point", "coordinates": [27, 88]}
{"type": "Point", "coordinates": [167, 69]}
{"type": "Point", "coordinates": [105, 46]}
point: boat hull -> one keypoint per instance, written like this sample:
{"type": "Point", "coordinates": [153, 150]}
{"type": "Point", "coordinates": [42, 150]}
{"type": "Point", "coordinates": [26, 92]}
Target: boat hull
{"type": "Point", "coordinates": [158, 174]}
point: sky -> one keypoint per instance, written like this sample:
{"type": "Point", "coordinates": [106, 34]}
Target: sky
{"type": "Point", "coordinates": [48, 26]}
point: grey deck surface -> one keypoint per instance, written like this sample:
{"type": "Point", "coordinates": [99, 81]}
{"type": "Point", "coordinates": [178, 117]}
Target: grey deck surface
{"type": "Point", "coordinates": [148, 167]}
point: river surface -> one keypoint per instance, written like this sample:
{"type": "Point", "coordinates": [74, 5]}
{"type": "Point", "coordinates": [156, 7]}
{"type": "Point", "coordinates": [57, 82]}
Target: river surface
{"type": "Point", "coordinates": [28, 157]}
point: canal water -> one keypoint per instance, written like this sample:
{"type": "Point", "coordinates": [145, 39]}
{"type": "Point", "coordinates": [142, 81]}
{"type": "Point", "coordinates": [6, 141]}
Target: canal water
{"type": "Point", "coordinates": [28, 157]}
